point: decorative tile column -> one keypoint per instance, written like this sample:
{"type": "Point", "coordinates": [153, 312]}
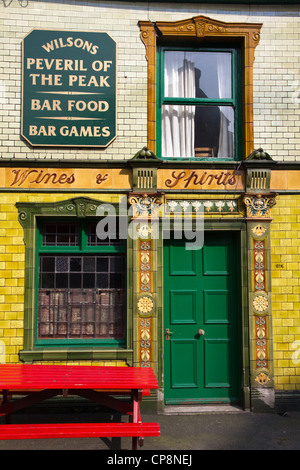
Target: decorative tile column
{"type": "Point", "coordinates": [258, 204]}
{"type": "Point", "coordinates": [145, 202]}
{"type": "Point", "coordinates": [144, 212]}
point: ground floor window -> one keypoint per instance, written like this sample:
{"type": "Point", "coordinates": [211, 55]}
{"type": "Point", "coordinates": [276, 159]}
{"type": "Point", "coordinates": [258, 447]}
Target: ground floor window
{"type": "Point", "coordinates": [81, 285]}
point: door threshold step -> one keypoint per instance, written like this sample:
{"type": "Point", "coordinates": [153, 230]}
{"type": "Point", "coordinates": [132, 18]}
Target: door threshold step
{"type": "Point", "coordinates": [201, 409]}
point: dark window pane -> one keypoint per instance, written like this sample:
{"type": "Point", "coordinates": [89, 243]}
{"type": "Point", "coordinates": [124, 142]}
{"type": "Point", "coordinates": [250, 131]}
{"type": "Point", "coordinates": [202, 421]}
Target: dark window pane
{"type": "Point", "coordinates": [63, 228]}
{"type": "Point", "coordinates": [60, 234]}
{"type": "Point", "coordinates": [116, 264]}
{"type": "Point", "coordinates": [48, 264]}
{"type": "Point", "coordinates": [63, 239]}
{"type": "Point", "coordinates": [75, 281]}
{"type": "Point", "coordinates": [214, 130]}
{"type": "Point", "coordinates": [61, 280]}
{"type": "Point", "coordinates": [93, 240]}
{"type": "Point", "coordinates": [66, 235]}
{"type": "Point", "coordinates": [47, 281]}
{"type": "Point", "coordinates": [116, 281]}
{"type": "Point", "coordinates": [88, 281]}
{"type": "Point", "coordinates": [102, 281]}
{"type": "Point", "coordinates": [89, 264]}
{"type": "Point", "coordinates": [50, 228]}
{"type": "Point", "coordinates": [110, 231]}
{"type": "Point", "coordinates": [49, 240]}
{"type": "Point", "coordinates": [102, 265]}
{"type": "Point", "coordinates": [75, 264]}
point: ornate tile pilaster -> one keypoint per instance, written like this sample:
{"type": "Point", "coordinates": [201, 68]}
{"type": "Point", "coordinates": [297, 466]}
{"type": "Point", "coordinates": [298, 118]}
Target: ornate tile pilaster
{"type": "Point", "coordinates": [258, 206]}
{"type": "Point", "coordinates": [144, 211]}
{"type": "Point", "coordinates": [145, 303]}
{"type": "Point", "coordinates": [258, 211]}
{"type": "Point", "coordinates": [144, 207]}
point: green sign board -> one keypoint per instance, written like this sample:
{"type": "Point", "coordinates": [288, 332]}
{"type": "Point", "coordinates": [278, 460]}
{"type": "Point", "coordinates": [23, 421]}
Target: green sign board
{"type": "Point", "coordinates": [69, 88]}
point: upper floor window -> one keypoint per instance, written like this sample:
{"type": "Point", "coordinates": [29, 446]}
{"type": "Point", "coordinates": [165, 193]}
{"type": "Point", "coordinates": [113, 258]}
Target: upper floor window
{"type": "Point", "coordinates": [200, 98]}
{"type": "Point", "coordinates": [199, 103]}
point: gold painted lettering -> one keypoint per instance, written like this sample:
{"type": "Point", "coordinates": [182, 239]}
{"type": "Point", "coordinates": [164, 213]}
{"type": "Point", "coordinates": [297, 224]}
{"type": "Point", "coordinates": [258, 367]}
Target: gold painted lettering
{"type": "Point", "coordinates": [100, 178]}
{"type": "Point", "coordinates": [195, 178]}
{"type": "Point", "coordinates": [20, 177]}
{"type": "Point", "coordinates": [170, 184]}
{"type": "Point", "coordinates": [189, 178]}
{"type": "Point", "coordinates": [232, 180]}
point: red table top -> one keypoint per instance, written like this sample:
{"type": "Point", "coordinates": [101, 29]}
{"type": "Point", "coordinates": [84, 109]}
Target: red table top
{"type": "Point", "coordinates": [38, 377]}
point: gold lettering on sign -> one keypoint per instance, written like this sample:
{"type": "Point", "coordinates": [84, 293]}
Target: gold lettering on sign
{"type": "Point", "coordinates": [205, 178]}
{"type": "Point", "coordinates": [64, 178]}
{"type": "Point", "coordinates": [100, 178]}
{"type": "Point", "coordinates": [39, 176]}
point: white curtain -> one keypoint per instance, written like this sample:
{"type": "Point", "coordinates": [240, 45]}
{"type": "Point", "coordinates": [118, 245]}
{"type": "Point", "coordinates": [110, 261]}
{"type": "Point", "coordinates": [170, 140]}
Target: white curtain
{"type": "Point", "coordinates": [178, 126]}
{"type": "Point", "coordinates": [227, 114]}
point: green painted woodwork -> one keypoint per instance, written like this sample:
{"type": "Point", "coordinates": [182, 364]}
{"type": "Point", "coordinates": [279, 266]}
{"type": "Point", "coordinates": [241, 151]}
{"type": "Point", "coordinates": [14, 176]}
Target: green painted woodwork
{"type": "Point", "coordinates": [202, 291]}
{"type": "Point", "coordinates": [81, 248]}
{"type": "Point", "coordinates": [235, 101]}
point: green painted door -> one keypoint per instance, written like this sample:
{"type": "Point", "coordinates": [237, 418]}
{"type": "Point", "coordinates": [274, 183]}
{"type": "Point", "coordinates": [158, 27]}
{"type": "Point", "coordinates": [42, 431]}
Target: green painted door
{"type": "Point", "coordinates": [201, 292]}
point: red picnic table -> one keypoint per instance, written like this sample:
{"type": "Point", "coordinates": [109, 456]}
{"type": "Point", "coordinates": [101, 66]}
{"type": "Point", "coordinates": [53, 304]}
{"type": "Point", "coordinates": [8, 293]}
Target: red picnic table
{"type": "Point", "coordinates": [104, 385]}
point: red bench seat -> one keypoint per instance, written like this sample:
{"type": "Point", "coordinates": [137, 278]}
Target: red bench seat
{"type": "Point", "coordinates": [73, 430]}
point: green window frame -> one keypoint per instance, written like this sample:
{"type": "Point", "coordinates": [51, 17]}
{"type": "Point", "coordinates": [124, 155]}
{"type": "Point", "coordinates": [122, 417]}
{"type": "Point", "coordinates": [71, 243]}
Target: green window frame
{"type": "Point", "coordinates": [65, 299]}
{"type": "Point", "coordinates": [82, 210]}
{"type": "Point", "coordinates": [235, 101]}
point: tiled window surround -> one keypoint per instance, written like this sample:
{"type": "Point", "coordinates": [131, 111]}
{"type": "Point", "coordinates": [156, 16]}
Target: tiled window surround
{"type": "Point", "coordinates": [204, 29]}
{"type": "Point", "coordinates": [103, 345]}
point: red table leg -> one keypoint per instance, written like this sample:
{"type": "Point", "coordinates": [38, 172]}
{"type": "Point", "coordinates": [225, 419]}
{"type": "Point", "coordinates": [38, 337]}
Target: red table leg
{"type": "Point", "coordinates": [4, 402]}
{"type": "Point", "coordinates": [136, 397]}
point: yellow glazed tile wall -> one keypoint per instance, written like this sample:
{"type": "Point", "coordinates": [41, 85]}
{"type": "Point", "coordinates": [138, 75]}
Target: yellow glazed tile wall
{"type": "Point", "coordinates": [12, 263]}
{"type": "Point", "coordinates": [285, 256]}
{"type": "Point", "coordinates": [12, 270]}
{"type": "Point", "coordinates": [285, 260]}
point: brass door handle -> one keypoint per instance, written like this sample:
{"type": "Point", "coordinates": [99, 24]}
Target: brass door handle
{"type": "Point", "coordinates": [201, 332]}
{"type": "Point", "coordinates": [168, 333]}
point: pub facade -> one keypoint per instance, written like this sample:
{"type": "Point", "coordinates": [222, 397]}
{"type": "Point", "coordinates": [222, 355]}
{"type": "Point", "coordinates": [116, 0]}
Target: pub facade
{"type": "Point", "coordinates": [149, 194]}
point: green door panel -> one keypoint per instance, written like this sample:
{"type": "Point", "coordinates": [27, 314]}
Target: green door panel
{"type": "Point", "coordinates": [216, 363]}
{"type": "Point", "coordinates": [183, 377]}
{"type": "Point", "coordinates": [216, 307]}
{"type": "Point", "coordinates": [182, 266]}
{"type": "Point", "coordinates": [183, 306]}
{"type": "Point", "coordinates": [215, 258]}
{"type": "Point", "coordinates": [201, 292]}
